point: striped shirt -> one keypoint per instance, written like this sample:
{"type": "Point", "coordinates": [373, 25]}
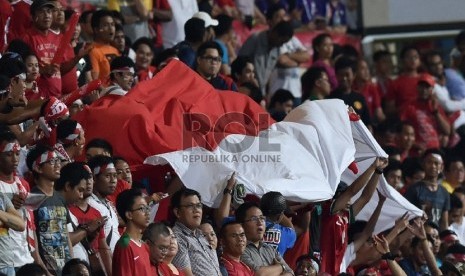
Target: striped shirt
{"type": "Point", "coordinates": [263, 255]}
{"type": "Point", "coordinates": [195, 252]}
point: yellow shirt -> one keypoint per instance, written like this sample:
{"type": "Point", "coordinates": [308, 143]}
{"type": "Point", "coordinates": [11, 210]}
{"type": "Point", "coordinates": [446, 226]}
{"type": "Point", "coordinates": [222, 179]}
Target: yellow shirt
{"type": "Point", "coordinates": [116, 4]}
{"type": "Point", "coordinates": [448, 187]}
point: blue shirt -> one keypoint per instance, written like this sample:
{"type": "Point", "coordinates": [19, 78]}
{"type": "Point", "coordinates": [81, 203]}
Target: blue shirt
{"type": "Point", "coordinates": [186, 53]}
{"type": "Point", "coordinates": [280, 237]}
{"type": "Point", "coordinates": [455, 83]}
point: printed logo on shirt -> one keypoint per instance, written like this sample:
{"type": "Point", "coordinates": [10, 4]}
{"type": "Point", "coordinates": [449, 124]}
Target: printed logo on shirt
{"type": "Point", "coordinates": [272, 237]}
{"type": "Point", "coordinates": [110, 57]}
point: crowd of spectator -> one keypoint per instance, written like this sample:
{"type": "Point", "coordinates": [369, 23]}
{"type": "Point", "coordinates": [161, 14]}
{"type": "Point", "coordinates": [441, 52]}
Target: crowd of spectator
{"type": "Point", "coordinates": [70, 207]}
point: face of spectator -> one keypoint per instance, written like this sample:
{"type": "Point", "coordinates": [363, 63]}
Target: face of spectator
{"type": "Point", "coordinates": [58, 15]}
{"type": "Point", "coordinates": [17, 97]}
{"type": "Point", "coordinates": [124, 79]}
{"type": "Point", "coordinates": [32, 68]}
{"type": "Point", "coordinates": [305, 268]}
{"type": "Point", "coordinates": [43, 18]}
{"type": "Point", "coordinates": [92, 152]}
{"type": "Point", "coordinates": [461, 196]}
{"type": "Point", "coordinates": [411, 60]}
{"type": "Point", "coordinates": [105, 182]}
{"type": "Point", "coordinates": [345, 77]}
{"type": "Point", "coordinates": [433, 234]}
{"type": "Point", "coordinates": [384, 66]}
{"type": "Point", "coordinates": [189, 212]}
{"type": "Point", "coordinates": [247, 74]}
{"type": "Point", "coordinates": [89, 187]}
{"type": "Point", "coordinates": [209, 63]}
{"type": "Point", "coordinates": [456, 173]}
{"type": "Point", "coordinates": [8, 160]}
{"type": "Point", "coordinates": [159, 247]}
{"type": "Point", "coordinates": [77, 32]}
{"type": "Point", "coordinates": [406, 138]}
{"type": "Point", "coordinates": [106, 29]}
{"type": "Point", "coordinates": [425, 91]}
{"type": "Point", "coordinates": [234, 240]}
{"type": "Point", "coordinates": [363, 72]}
{"type": "Point", "coordinates": [254, 224]}
{"type": "Point", "coordinates": [435, 65]}
{"type": "Point", "coordinates": [75, 108]}
{"type": "Point", "coordinates": [139, 214]}
{"type": "Point", "coordinates": [144, 56]}
{"type": "Point", "coordinates": [120, 40]}
{"type": "Point", "coordinates": [417, 176]}
{"type": "Point", "coordinates": [123, 171]}
{"type": "Point", "coordinates": [325, 49]}
{"type": "Point", "coordinates": [80, 270]}
{"type": "Point", "coordinates": [418, 255]}
{"type": "Point", "coordinates": [278, 16]}
{"type": "Point", "coordinates": [394, 178]}
{"type": "Point", "coordinates": [433, 165]}
{"type": "Point", "coordinates": [173, 250]}
{"type": "Point", "coordinates": [285, 107]}
{"type": "Point", "coordinates": [323, 84]}
{"type": "Point", "coordinates": [50, 169]}
{"type": "Point", "coordinates": [80, 142]}
{"type": "Point", "coordinates": [209, 234]}
{"type": "Point", "coordinates": [456, 215]}
{"type": "Point", "coordinates": [73, 195]}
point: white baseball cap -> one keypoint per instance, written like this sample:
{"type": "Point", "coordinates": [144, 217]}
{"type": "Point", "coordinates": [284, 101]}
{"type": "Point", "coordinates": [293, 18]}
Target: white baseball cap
{"type": "Point", "coordinates": [206, 18]}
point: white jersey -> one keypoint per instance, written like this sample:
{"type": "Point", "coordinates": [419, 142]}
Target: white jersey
{"type": "Point", "coordinates": [106, 209]}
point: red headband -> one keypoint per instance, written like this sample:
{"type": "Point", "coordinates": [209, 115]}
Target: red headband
{"type": "Point", "coordinates": [11, 146]}
{"type": "Point", "coordinates": [73, 136]}
{"type": "Point", "coordinates": [45, 157]}
{"type": "Point", "coordinates": [99, 169]}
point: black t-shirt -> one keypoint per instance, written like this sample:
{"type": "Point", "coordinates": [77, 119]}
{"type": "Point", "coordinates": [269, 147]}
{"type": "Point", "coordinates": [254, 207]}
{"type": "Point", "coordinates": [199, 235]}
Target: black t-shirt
{"type": "Point", "coordinates": [357, 101]}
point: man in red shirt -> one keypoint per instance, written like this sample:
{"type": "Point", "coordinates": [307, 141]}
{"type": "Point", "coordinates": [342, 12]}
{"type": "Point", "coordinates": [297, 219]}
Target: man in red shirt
{"type": "Point", "coordinates": [158, 238]}
{"type": "Point", "coordinates": [44, 44]}
{"type": "Point", "coordinates": [426, 116]}
{"type": "Point", "coordinates": [131, 255]}
{"type": "Point", "coordinates": [21, 20]}
{"type": "Point", "coordinates": [233, 242]}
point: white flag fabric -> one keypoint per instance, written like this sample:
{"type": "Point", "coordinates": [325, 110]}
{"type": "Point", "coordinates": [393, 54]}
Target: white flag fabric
{"type": "Point", "coordinates": [302, 159]}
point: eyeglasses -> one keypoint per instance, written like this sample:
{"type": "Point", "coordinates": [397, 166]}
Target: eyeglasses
{"type": "Point", "coordinates": [53, 161]}
{"type": "Point", "coordinates": [143, 209]}
{"type": "Point", "coordinates": [256, 219]}
{"type": "Point", "coordinates": [192, 206]}
{"type": "Point", "coordinates": [212, 59]}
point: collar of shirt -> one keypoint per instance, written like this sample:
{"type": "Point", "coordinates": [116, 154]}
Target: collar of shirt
{"type": "Point", "coordinates": [187, 231]}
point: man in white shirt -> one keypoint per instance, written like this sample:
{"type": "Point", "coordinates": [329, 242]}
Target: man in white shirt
{"type": "Point", "coordinates": [173, 31]}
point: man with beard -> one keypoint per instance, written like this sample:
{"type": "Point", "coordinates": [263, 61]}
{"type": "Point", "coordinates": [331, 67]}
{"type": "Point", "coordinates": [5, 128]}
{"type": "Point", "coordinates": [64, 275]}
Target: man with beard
{"type": "Point", "coordinates": [93, 242]}
{"type": "Point", "coordinates": [131, 256]}
{"type": "Point", "coordinates": [104, 173]}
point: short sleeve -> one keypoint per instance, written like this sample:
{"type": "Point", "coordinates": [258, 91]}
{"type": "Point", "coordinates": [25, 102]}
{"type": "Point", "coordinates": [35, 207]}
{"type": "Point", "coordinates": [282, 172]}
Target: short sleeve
{"type": "Point", "coordinates": [5, 203]}
{"type": "Point", "coordinates": [94, 61]}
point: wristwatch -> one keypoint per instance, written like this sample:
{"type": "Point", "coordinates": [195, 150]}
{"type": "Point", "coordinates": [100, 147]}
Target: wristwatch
{"type": "Point", "coordinates": [227, 191]}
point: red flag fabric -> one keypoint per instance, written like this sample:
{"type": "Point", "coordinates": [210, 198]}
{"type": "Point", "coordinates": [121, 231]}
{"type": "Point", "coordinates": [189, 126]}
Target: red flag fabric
{"type": "Point", "coordinates": [175, 110]}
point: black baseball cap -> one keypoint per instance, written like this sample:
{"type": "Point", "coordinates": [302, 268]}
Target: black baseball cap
{"type": "Point", "coordinates": [37, 4]}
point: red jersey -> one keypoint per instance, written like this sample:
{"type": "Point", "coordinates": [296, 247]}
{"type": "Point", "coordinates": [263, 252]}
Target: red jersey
{"type": "Point", "coordinates": [159, 5]}
{"type": "Point", "coordinates": [372, 96]}
{"type": "Point", "coordinates": [234, 267]}
{"type": "Point", "coordinates": [334, 237]}
{"type": "Point", "coordinates": [301, 247]}
{"type": "Point", "coordinates": [86, 216]}
{"type": "Point", "coordinates": [161, 269]}
{"type": "Point", "coordinates": [45, 45]}
{"type": "Point", "coordinates": [403, 91]}
{"type": "Point", "coordinates": [420, 115]}
{"type": "Point", "coordinates": [131, 258]}
{"type": "Point", "coordinates": [21, 20]}
{"type": "Point", "coordinates": [5, 13]}
{"type": "Point", "coordinates": [146, 74]}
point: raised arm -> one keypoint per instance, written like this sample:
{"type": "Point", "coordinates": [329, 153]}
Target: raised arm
{"type": "Point", "coordinates": [225, 205]}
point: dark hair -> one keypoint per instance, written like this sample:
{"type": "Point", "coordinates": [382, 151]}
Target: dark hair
{"type": "Point", "coordinates": [446, 233]}
{"type": "Point", "coordinates": [84, 15]}
{"type": "Point", "coordinates": [68, 13]}
{"type": "Point", "coordinates": [344, 63]}
{"type": "Point", "coordinates": [97, 17]}
{"type": "Point", "coordinates": [143, 41]}
{"type": "Point", "coordinates": [125, 202]}
{"type": "Point", "coordinates": [209, 45]}
{"type": "Point", "coordinates": [391, 150]}
{"type": "Point", "coordinates": [72, 174]}
{"type": "Point", "coordinates": [281, 96]}
{"type": "Point", "coordinates": [242, 210]}
{"type": "Point", "coordinates": [460, 38]}
{"type": "Point", "coordinates": [255, 92]}
{"type": "Point", "coordinates": [400, 126]}
{"type": "Point", "coordinates": [317, 41]}
{"type": "Point", "coordinates": [308, 80]}
{"type": "Point", "coordinates": [20, 47]}
{"type": "Point", "coordinates": [407, 49]}
{"type": "Point", "coordinates": [350, 52]}
{"type": "Point", "coordinates": [273, 9]}
{"type": "Point", "coordinates": [433, 151]}
{"type": "Point", "coordinates": [430, 54]}
{"type": "Point", "coordinates": [68, 268]}
{"type": "Point", "coordinates": [118, 158]}
{"type": "Point", "coordinates": [380, 54]}
{"type": "Point", "coordinates": [456, 249]}
{"type": "Point", "coordinates": [194, 30]}
{"type": "Point", "coordinates": [65, 128]}
{"type": "Point", "coordinates": [432, 224]}
{"type": "Point", "coordinates": [450, 160]}
{"type": "Point", "coordinates": [119, 63]}
{"type": "Point", "coordinates": [12, 67]}
{"type": "Point", "coordinates": [7, 136]}
{"type": "Point", "coordinates": [284, 29]}
{"type": "Point", "coordinates": [184, 192]}
{"type": "Point", "coordinates": [308, 257]}
{"type": "Point", "coordinates": [119, 28]}
{"type": "Point", "coordinates": [355, 228]}
{"type": "Point", "coordinates": [154, 230]}
{"type": "Point", "coordinates": [98, 161]}
{"type": "Point", "coordinates": [238, 65]}
{"type": "Point", "coordinates": [460, 190]}
{"type": "Point", "coordinates": [164, 55]}
{"type": "Point", "coordinates": [119, 16]}
{"type": "Point", "coordinates": [33, 154]}
{"type": "Point", "coordinates": [455, 202]}
{"type": "Point", "coordinates": [32, 269]}
{"type": "Point", "coordinates": [394, 165]}
{"type": "Point", "coordinates": [224, 25]}
{"type": "Point", "coordinates": [225, 226]}
{"type": "Point", "coordinates": [410, 166]}
{"type": "Point", "coordinates": [100, 143]}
